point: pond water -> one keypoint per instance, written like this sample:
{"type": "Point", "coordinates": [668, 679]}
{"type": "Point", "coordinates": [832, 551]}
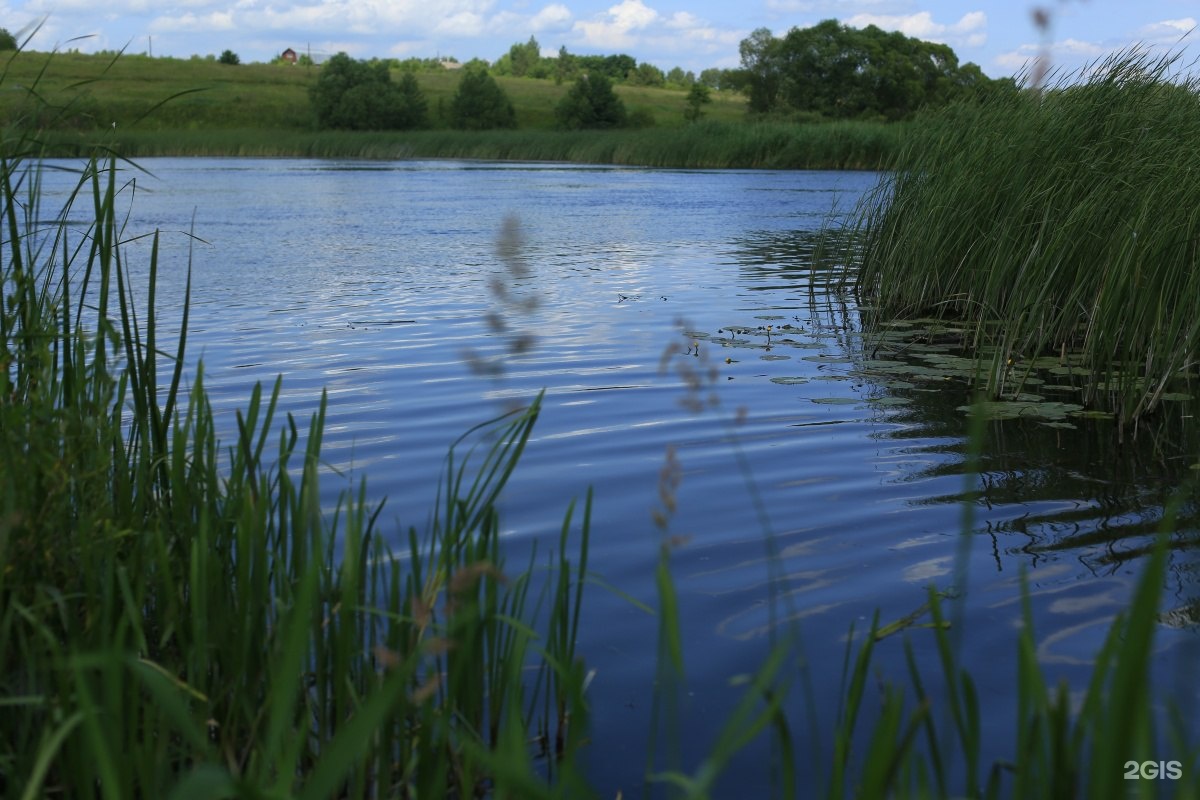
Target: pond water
{"type": "Point", "coordinates": [654, 291]}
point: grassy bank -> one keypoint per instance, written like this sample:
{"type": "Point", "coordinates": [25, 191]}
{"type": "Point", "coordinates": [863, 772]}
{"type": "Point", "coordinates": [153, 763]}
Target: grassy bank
{"type": "Point", "coordinates": [206, 95]}
{"type": "Point", "coordinates": [708, 144]}
{"type": "Point", "coordinates": [1058, 224]}
{"type": "Point", "coordinates": [143, 107]}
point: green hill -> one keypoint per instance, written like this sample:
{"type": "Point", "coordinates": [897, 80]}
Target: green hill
{"type": "Point", "coordinates": [140, 106]}
{"type": "Point", "coordinates": [200, 94]}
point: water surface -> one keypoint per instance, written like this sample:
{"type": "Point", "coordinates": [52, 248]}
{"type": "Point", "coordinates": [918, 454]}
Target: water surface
{"type": "Point", "coordinates": [813, 488]}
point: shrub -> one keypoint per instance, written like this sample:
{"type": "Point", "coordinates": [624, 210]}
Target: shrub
{"type": "Point", "coordinates": [355, 95]}
{"type": "Point", "coordinates": [229, 57]}
{"type": "Point", "coordinates": [480, 104]}
{"type": "Point", "coordinates": [697, 97]}
{"type": "Point", "coordinates": [590, 103]}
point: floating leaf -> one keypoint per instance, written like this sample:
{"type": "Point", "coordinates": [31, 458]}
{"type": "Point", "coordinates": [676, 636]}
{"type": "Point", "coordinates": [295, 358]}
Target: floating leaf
{"type": "Point", "coordinates": [836, 401]}
{"type": "Point", "coordinates": [790, 381]}
{"type": "Point", "coordinates": [1025, 409]}
{"type": "Point", "coordinates": [826, 358]}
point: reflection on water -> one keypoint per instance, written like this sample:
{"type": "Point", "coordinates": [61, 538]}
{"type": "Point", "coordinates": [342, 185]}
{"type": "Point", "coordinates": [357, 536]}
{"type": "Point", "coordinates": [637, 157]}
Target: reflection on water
{"type": "Point", "coordinates": [822, 470]}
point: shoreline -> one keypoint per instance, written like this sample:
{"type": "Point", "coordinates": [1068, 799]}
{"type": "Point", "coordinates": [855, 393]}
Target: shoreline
{"type": "Point", "coordinates": [707, 145]}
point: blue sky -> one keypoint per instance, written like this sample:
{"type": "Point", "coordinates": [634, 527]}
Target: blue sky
{"type": "Point", "coordinates": [693, 34]}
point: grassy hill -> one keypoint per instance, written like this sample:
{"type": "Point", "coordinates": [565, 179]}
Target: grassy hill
{"type": "Point", "coordinates": [140, 106]}
{"type": "Point", "coordinates": [170, 93]}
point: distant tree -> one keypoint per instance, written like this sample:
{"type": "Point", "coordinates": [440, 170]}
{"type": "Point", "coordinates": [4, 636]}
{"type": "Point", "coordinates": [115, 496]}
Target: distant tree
{"type": "Point", "coordinates": [524, 58]}
{"type": "Point", "coordinates": [355, 95]}
{"type": "Point", "coordinates": [615, 68]}
{"type": "Point", "coordinates": [479, 103]}
{"type": "Point", "coordinates": [413, 109]}
{"type": "Point", "coordinates": [646, 75]}
{"type": "Point", "coordinates": [229, 57]}
{"type": "Point", "coordinates": [564, 66]}
{"type": "Point", "coordinates": [590, 103]}
{"type": "Point", "coordinates": [713, 78]}
{"type": "Point", "coordinates": [677, 77]}
{"type": "Point", "coordinates": [697, 96]}
{"type": "Point", "coordinates": [838, 71]}
{"type": "Point", "coordinates": [761, 63]}
{"type": "Point", "coordinates": [7, 40]}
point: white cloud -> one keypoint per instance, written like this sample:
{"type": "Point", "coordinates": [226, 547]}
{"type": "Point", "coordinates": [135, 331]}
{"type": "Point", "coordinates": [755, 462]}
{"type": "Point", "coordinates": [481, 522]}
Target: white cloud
{"type": "Point", "coordinates": [189, 22]}
{"type": "Point", "coordinates": [1067, 54]}
{"type": "Point", "coordinates": [554, 17]}
{"type": "Point", "coordinates": [836, 8]}
{"type": "Point", "coordinates": [1169, 31]}
{"type": "Point", "coordinates": [970, 29]}
{"type": "Point", "coordinates": [465, 24]}
{"type": "Point", "coordinates": [615, 27]}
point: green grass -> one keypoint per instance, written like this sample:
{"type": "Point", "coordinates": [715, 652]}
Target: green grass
{"type": "Point", "coordinates": [211, 96]}
{"type": "Point", "coordinates": [708, 144]}
{"type": "Point", "coordinates": [174, 107]}
{"type": "Point", "coordinates": [1055, 222]}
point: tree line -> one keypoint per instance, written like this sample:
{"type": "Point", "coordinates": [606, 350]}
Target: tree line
{"type": "Point", "coordinates": [837, 71]}
{"type": "Point", "coordinates": [829, 70]}
{"type": "Point", "coordinates": [361, 95]}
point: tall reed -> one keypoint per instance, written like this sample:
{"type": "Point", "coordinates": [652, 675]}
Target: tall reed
{"type": "Point", "coordinates": [1054, 221]}
{"type": "Point", "coordinates": [178, 619]}
{"type": "Point", "coordinates": [709, 144]}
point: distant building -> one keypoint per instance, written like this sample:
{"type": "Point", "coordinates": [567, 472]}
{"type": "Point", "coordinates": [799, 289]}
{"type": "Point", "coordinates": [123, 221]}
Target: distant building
{"type": "Point", "coordinates": [451, 65]}
{"type": "Point", "coordinates": [288, 55]}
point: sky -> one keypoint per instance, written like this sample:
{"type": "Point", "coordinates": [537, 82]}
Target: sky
{"type": "Point", "coordinates": [998, 35]}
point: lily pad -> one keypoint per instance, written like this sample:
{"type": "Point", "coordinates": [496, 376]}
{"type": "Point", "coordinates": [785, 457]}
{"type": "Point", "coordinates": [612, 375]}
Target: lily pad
{"type": "Point", "coordinates": [790, 381]}
{"type": "Point", "coordinates": [890, 401]}
{"type": "Point", "coordinates": [836, 401]}
{"type": "Point", "coordinates": [829, 359]}
{"type": "Point", "coordinates": [1025, 409]}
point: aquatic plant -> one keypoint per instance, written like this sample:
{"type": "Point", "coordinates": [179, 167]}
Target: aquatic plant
{"type": "Point", "coordinates": [181, 619]}
{"type": "Point", "coordinates": [1052, 222]}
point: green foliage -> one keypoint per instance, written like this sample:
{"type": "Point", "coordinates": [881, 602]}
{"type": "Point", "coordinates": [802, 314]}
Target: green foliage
{"type": "Point", "coordinates": [564, 66]}
{"type": "Point", "coordinates": [845, 72]}
{"type": "Point", "coordinates": [7, 40]}
{"type": "Point", "coordinates": [1052, 223]}
{"type": "Point", "coordinates": [229, 57]}
{"type": "Point", "coordinates": [357, 95]}
{"type": "Point", "coordinates": [525, 58]}
{"type": "Point", "coordinates": [646, 75]}
{"type": "Point", "coordinates": [590, 103]}
{"type": "Point", "coordinates": [679, 79]}
{"type": "Point", "coordinates": [615, 67]}
{"type": "Point", "coordinates": [698, 97]}
{"type": "Point", "coordinates": [480, 103]}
